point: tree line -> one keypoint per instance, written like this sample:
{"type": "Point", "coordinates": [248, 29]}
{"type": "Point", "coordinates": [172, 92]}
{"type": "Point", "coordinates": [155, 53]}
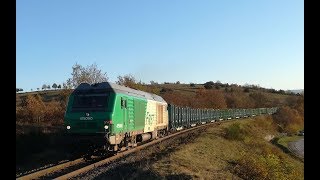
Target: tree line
{"type": "Point", "coordinates": [35, 109]}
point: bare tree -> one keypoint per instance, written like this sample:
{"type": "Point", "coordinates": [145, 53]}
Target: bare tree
{"type": "Point", "coordinates": [66, 86]}
{"type": "Point", "coordinates": [130, 81]}
{"type": "Point", "coordinates": [90, 74]}
{"type": "Point", "coordinates": [44, 87]}
{"type": "Point", "coordinates": [153, 83]}
{"type": "Point", "coordinates": [126, 80]}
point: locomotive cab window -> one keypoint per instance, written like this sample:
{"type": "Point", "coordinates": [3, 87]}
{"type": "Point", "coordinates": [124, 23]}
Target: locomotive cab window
{"type": "Point", "coordinates": [90, 102]}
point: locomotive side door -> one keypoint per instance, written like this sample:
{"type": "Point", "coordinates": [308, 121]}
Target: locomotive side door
{"type": "Point", "coordinates": [124, 108]}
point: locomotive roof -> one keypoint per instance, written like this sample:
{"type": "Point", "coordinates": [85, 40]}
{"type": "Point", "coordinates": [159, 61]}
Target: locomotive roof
{"type": "Point", "coordinates": [107, 86]}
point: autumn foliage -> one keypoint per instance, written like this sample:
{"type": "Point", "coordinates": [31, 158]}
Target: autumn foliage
{"type": "Point", "coordinates": [34, 110]}
{"type": "Point", "coordinates": [202, 99]}
{"type": "Point", "coordinates": [209, 99]}
{"type": "Point", "coordinates": [238, 99]}
{"type": "Point", "coordinates": [289, 120]}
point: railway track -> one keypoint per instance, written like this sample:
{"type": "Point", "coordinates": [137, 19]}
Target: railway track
{"type": "Point", "coordinates": [73, 168]}
{"type": "Point", "coordinates": [48, 170]}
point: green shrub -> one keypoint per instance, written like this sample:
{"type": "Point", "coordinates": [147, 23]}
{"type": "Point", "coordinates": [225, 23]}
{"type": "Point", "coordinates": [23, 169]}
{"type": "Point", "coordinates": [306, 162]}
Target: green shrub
{"type": "Point", "coordinates": [235, 132]}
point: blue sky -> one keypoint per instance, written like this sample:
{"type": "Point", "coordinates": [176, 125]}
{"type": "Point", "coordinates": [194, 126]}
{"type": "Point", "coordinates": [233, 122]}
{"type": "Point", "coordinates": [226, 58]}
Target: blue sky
{"type": "Point", "coordinates": [248, 41]}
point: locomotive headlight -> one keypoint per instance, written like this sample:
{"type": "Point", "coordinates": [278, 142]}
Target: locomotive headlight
{"type": "Point", "coordinates": [106, 127]}
{"type": "Point", "coordinates": [68, 127]}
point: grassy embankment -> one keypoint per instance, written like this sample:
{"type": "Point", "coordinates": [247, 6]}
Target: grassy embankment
{"type": "Point", "coordinates": [233, 150]}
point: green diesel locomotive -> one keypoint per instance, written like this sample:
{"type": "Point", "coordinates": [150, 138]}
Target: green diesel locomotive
{"type": "Point", "coordinates": [114, 115]}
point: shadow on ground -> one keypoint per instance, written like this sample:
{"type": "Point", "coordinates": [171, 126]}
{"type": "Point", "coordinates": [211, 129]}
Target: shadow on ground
{"type": "Point", "coordinates": [135, 171]}
{"type": "Point", "coordinates": [35, 150]}
{"type": "Point", "coordinates": [138, 166]}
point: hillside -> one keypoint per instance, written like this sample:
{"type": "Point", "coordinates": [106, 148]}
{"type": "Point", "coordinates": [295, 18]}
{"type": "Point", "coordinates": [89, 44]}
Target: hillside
{"type": "Point", "coordinates": [46, 108]}
{"type": "Point", "coordinates": [296, 91]}
{"type": "Point", "coordinates": [39, 125]}
{"type": "Point", "coordinates": [161, 89]}
{"type": "Point", "coordinates": [47, 95]}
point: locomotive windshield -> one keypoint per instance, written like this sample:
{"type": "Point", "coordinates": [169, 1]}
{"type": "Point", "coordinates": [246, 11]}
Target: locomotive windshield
{"type": "Point", "coordinates": [90, 102]}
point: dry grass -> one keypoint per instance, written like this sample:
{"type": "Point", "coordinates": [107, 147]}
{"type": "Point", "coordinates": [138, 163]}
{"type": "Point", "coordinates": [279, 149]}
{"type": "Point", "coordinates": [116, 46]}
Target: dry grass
{"type": "Point", "coordinates": [285, 140]}
{"type": "Point", "coordinates": [47, 95]}
{"type": "Point", "coordinates": [206, 158]}
{"type": "Point", "coordinates": [212, 156]}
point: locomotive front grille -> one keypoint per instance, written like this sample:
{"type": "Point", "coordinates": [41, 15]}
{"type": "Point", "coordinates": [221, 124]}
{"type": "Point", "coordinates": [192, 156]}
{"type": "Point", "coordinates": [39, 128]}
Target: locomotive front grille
{"type": "Point", "coordinates": [84, 125]}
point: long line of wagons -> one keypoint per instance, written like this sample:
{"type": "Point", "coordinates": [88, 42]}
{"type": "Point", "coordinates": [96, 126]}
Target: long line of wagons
{"type": "Point", "coordinates": [114, 117]}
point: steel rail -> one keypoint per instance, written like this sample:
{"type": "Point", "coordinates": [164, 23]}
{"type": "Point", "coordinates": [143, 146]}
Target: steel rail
{"type": "Point", "coordinates": [124, 153]}
{"type": "Point", "coordinates": [52, 169]}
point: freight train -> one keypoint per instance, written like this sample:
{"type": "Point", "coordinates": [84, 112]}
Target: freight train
{"type": "Point", "coordinates": [116, 117]}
